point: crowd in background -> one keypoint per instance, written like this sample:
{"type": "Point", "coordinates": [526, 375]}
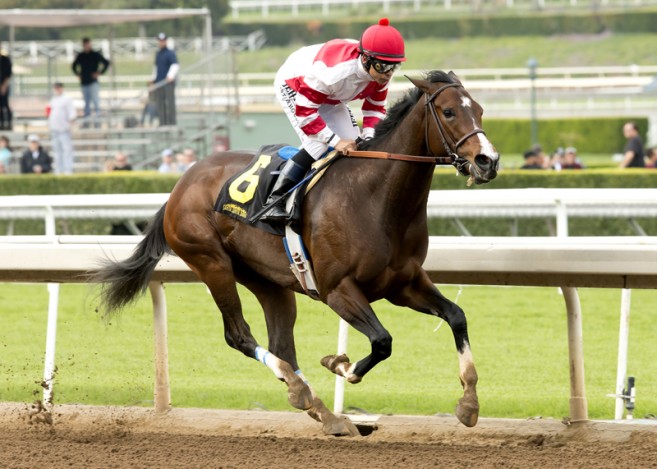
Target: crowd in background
{"type": "Point", "coordinates": [634, 155]}
{"type": "Point", "coordinates": [88, 66]}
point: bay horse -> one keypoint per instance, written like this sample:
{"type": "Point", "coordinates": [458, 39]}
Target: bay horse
{"type": "Point", "coordinates": [364, 226]}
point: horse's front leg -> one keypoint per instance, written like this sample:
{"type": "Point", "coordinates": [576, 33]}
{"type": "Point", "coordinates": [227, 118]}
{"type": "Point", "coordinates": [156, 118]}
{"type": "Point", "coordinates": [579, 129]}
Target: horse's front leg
{"type": "Point", "coordinates": [351, 305]}
{"type": "Point", "coordinates": [422, 295]}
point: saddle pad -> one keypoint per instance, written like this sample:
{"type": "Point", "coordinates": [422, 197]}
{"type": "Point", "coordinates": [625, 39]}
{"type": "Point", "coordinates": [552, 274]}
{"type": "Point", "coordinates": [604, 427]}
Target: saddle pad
{"type": "Point", "coordinates": [246, 192]}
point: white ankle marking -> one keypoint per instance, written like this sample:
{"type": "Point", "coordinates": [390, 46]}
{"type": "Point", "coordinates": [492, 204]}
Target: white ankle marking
{"type": "Point", "coordinates": [346, 370]}
{"type": "Point", "coordinates": [465, 358]}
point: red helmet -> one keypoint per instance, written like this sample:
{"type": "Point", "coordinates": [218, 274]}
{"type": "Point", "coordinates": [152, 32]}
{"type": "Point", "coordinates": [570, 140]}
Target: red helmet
{"type": "Point", "coordinates": [383, 42]}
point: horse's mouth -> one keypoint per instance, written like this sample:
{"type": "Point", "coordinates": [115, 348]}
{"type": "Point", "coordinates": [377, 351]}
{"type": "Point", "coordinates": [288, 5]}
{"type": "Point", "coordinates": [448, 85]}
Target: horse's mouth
{"type": "Point", "coordinates": [480, 176]}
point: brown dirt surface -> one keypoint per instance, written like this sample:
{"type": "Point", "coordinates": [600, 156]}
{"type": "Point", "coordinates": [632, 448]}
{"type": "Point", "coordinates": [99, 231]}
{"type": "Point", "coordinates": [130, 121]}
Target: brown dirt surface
{"type": "Point", "coordinates": [121, 437]}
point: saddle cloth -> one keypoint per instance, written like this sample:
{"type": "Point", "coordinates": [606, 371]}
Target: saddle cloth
{"type": "Point", "coordinates": [245, 193]}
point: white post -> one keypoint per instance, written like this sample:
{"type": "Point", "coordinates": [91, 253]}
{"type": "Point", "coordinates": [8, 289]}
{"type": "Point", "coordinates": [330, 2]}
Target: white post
{"type": "Point", "coordinates": [51, 339]}
{"type": "Point", "coordinates": [562, 219]}
{"type": "Point", "coordinates": [578, 404]}
{"type": "Point", "coordinates": [51, 329]}
{"type": "Point", "coordinates": [623, 341]}
{"type": "Point", "coordinates": [162, 395]}
{"type": "Point", "coordinates": [338, 399]}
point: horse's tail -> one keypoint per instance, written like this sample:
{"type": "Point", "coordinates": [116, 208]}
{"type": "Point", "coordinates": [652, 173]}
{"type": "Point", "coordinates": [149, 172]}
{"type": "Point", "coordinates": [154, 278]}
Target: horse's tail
{"type": "Point", "coordinates": [122, 282]}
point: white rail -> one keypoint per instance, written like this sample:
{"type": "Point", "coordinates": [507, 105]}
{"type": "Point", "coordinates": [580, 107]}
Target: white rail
{"type": "Point", "coordinates": [329, 7]}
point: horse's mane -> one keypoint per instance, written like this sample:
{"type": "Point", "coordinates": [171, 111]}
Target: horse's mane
{"type": "Point", "coordinates": [402, 107]}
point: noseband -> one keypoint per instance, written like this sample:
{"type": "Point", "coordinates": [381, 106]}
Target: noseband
{"type": "Point", "coordinates": [451, 147]}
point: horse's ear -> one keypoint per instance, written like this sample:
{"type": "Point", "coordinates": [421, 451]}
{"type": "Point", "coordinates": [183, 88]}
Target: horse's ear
{"type": "Point", "coordinates": [424, 85]}
{"type": "Point", "coordinates": [453, 76]}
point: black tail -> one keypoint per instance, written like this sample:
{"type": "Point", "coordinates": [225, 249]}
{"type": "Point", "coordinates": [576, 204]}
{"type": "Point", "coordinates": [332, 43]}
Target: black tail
{"type": "Point", "coordinates": [122, 282]}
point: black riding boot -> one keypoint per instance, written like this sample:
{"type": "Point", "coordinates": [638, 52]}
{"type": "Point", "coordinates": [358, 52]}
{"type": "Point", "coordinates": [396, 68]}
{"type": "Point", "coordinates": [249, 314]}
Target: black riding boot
{"type": "Point", "coordinates": [293, 171]}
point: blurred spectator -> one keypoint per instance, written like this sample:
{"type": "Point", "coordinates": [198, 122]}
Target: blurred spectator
{"type": "Point", "coordinates": [164, 82]}
{"type": "Point", "coordinates": [557, 159]}
{"type": "Point", "coordinates": [149, 111]}
{"type": "Point", "coordinates": [35, 159]}
{"type": "Point", "coordinates": [633, 150]}
{"type": "Point", "coordinates": [651, 157]}
{"type": "Point", "coordinates": [119, 163]}
{"type": "Point", "coordinates": [5, 77]}
{"type": "Point", "coordinates": [5, 151]}
{"type": "Point", "coordinates": [3, 168]}
{"type": "Point", "coordinates": [168, 165]}
{"type": "Point", "coordinates": [570, 160]}
{"type": "Point", "coordinates": [88, 66]}
{"type": "Point", "coordinates": [62, 115]}
{"type": "Point", "coordinates": [189, 159]}
{"type": "Point", "coordinates": [543, 159]}
{"type": "Point", "coordinates": [532, 160]}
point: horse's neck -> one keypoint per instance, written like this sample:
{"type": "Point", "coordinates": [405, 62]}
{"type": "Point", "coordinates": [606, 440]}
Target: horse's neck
{"type": "Point", "coordinates": [411, 180]}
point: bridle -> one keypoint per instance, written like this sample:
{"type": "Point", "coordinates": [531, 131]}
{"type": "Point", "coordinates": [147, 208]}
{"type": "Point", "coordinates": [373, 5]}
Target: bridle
{"type": "Point", "coordinates": [451, 147]}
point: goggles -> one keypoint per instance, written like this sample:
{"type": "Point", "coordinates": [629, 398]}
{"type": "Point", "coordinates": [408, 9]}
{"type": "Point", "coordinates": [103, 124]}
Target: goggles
{"type": "Point", "coordinates": [384, 67]}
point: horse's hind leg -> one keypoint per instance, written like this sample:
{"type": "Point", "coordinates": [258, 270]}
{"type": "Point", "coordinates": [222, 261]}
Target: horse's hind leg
{"type": "Point", "coordinates": [280, 310]}
{"type": "Point", "coordinates": [422, 295]}
{"type": "Point", "coordinates": [216, 272]}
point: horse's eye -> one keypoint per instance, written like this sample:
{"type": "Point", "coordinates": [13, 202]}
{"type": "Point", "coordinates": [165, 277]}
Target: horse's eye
{"type": "Point", "coordinates": [448, 113]}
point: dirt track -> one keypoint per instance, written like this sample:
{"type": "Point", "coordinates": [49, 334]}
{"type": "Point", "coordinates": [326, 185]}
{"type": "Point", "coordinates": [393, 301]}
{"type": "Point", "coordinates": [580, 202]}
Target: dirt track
{"type": "Point", "coordinates": [84, 436]}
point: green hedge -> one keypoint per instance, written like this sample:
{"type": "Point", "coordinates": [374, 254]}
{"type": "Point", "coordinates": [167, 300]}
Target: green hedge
{"type": "Point", "coordinates": [590, 135]}
{"type": "Point", "coordinates": [290, 30]}
{"type": "Point", "coordinates": [101, 183]}
{"type": "Point", "coordinates": [445, 178]}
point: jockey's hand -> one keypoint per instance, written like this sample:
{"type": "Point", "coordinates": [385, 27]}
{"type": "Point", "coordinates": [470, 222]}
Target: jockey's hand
{"type": "Point", "coordinates": [346, 144]}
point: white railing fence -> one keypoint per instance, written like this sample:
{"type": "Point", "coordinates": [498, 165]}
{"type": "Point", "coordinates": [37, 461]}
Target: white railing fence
{"type": "Point", "coordinates": [335, 7]}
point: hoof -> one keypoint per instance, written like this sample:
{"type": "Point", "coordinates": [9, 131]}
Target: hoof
{"type": "Point", "coordinates": [332, 361]}
{"type": "Point", "coordinates": [339, 426]}
{"type": "Point", "coordinates": [467, 412]}
{"type": "Point", "coordinates": [299, 396]}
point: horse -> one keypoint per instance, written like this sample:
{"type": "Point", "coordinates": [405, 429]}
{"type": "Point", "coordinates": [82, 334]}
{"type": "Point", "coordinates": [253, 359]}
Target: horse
{"type": "Point", "coordinates": [364, 225]}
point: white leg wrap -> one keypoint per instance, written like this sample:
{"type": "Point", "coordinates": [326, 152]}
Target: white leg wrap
{"type": "Point", "coordinates": [301, 375]}
{"type": "Point", "coordinates": [269, 360]}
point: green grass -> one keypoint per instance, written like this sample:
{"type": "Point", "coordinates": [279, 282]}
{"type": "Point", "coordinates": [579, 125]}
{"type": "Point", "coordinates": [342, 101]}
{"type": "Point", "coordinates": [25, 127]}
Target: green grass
{"type": "Point", "coordinates": [492, 52]}
{"type": "Point", "coordinates": [518, 338]}
{"type": "Point", "coordinates": [453, 54]}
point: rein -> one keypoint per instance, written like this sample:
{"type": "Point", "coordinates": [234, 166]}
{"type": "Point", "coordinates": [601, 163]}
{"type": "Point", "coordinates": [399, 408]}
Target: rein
{"type": "Point", "coordinates": [382, 155]}
{"type": "Point", "coordinates": [454, 159]}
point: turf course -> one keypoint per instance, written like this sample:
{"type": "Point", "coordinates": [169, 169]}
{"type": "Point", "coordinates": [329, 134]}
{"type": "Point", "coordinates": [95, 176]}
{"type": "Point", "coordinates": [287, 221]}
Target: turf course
{"type": "Point", "coordinates": [518, 339]}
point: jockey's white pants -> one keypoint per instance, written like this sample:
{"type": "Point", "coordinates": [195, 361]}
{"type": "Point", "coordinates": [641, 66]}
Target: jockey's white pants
{"type": "Point", "coordinates": [338, 118]}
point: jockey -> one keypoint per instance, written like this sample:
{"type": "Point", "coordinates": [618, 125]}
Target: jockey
{"type": "Point", "coordinates": [314, 85]}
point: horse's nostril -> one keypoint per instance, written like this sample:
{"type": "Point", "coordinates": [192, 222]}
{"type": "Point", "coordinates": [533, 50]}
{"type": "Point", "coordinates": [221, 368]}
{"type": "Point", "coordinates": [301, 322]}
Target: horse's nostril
{"type": "Point", "coordinates": [483, 162]}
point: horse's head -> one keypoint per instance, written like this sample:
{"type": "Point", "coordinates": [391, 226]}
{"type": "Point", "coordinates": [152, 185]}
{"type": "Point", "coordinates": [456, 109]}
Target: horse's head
{"type": "Point", "coordinates": [453, 127]}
